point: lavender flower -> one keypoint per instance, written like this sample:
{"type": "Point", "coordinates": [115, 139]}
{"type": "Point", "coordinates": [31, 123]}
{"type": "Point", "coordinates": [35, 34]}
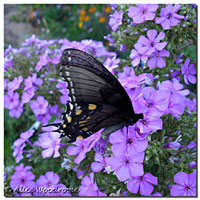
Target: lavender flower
{"type": "Point", "coordinates": [39, 106]}
{"type": "Point", "coordinates": [116, 20]}
{"type": "Point", "coordinates": [32, 81]}
{"type": "Point", "coordinates": [22, 178]}
{"type": "Point", "coordinates": [16, 111]}
{"type": "Point", "coordinates": [11, 99]}
{"type": "Point", "coordinates": [188, 72]}
{"type": "Point", "coordinates": [125, 143]}
{"type": "Point", "coordinates": [18, 152]}
{"type": "Point", "coordinates": [144, 183]}
{"type": "Point", "coordinates": [24, 137]}
{"type": "Point", "coordinates": [149, 123]}
{"type": "Point", "coordinates": [138, 55]}
{"type": "Point", "coordinates": [186, 184]}
{"type": "Point", "coordinates": [142, 12]}
{"type": "Point", "coordinates": [129, 79]}
{"type": "Point", "coordinates": [153, 43]}
{"type": "Point", "coordinates": [89, 187]}
{"type": "Point", "coordinates": [100, 163]}
{"type": "Point", "coordinates": [169, 17]}
{"type": "Point", "coordinates": [51, 143]}
{"type": "Point", "coordinates": [157, 60]}
{"type": "Point", "coordinates": [126, 166]}
{"type": "Point", "coordinates": [27, 96]}
{"type": "Point", "coordinates": [15, 83]}
{"type": "Point", "coordinates": [44, 59]}
{"type": "Point", "coordinates": [174, 86]}
{"type": "Point", "coordinates": [112, 63]}
{"type": "Point", "coordinates": [176, 104]}
{"type": "Point", "coordinates": [192, 164]}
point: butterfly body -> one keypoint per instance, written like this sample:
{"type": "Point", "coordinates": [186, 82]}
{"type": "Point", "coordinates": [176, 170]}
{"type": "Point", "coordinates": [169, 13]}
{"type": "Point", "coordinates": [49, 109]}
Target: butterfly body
{"type": "Point", "coordinates": [96, 98]}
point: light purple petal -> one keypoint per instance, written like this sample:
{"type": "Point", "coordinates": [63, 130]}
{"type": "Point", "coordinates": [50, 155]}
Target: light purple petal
{"type": "Point", "coordinates": [146, 188]}
{"type": "Point", "coordinates": [133, 186]}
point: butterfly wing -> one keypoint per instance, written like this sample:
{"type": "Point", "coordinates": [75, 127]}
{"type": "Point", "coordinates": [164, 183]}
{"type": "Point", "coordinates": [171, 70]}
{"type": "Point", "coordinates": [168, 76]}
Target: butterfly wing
{"type": "Point", "coordinates": [89, 81]}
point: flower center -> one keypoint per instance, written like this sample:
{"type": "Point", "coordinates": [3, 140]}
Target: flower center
{"type": "Point", "coordinates": [187, 187]}
{"type": "Point", "coordinates": [169, 16]}
{"type": "Point", "coordinates": [141, 178]}
{"type": "Point", "coordinates": [144, 11]}
{"type": "Point", "coordinates": [149, 105]}
{"type": "Point", "coordinates": [49, 184]}
{"type": "Point", "coordinates": [129, 141]}
{"type": "Point", "coordinates": [152, 44]}
{"type": "Point", "coordinates": [22, 180]}
{"type": "Point", "coordinates": [143, 121]}
{"type": "Point", "coordinates": [127, 161]}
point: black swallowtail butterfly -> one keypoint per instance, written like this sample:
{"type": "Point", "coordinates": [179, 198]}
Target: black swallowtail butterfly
{"type": "Point", "coordinates": [96, 98]}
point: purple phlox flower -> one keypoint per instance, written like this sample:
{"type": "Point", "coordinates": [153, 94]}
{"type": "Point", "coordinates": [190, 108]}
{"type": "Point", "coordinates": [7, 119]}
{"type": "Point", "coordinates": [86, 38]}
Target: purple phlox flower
{"type": "Point", "coordinates": [44, 118]}
{"type": "Point", "coordinates": [16, 111]}
{"type": "Point", "coordinates": [157, 59]}
{"type": "Point", "coordinates": [116, 20]}
{"type": "Point", "coordinates": [176, 105]}
{"type": "Point", "coordinates": [83, 146]}
{"type": "Point", "coordinates": [173, 144]}
{"type": "Point", "coordinates": [56, 58]}
{"type": "Point", "coordinates": [79, 171]}
{"type": "Point", "coordinates": [168, 16]}
{"type": "Point", "coordinates": [191, 145]}
{"type": "Point", "coordinates": [39, 106]}
{"type": "Point", "coordinates": [192, 164]}
{"type": "Point", "coordinates": [174, 86]}
{"type": "Point", "coordinates": [8, 50]}
{"type": "Point", "coordinates": [176, 75]}
{"type": "Point", "coordinates": [54, 110]}
{"type": "Point", "coordinates": [24, 137]}
{"type": "Point", "coordinates": [30, 41]}
{"type": "Point", "coordinates": [178, 59]}
{"type": "Point", "coordinates": [18, 152]}
{"type": "Point", "coordinates": [127, 165]}
{"type": "Point", "coordinates": [51, 143]}
{"type": "Point", "coordinates": [152, 43]}
{"type": "Point", "coordinates": [144, 183]}
{"type": "Point", "coordinates": [125, 141]}
{"type": "Point", "coordinates": [113, 6]}
{"type": "Point", "coordinates": [81, 149]}
{"type": "Point", "coordinates": [185, 184]}
{"type": "Point", "coordinates": [11, 99]}
{"type": "Point", "coordinates": [191, 104]}
{"type": "Point", "coordinates": [21, 167]}
{"type": "Point", "coordinates": [66, 164]}
{"type": "Point", "coordinates": [154, 101]}
{"type": "Point", "coordinates": [149, 123]}
{"type": "Point", "coordinates": [27, 96]}
{"type": "Point", "coordinates": [8, 62]}
{"type": "Point", "coordinates": [89, 187]}
{"type": "Point", "coordinates": [100, 163]}
{"type": "Point", "coordinates": [142, 12]}
{"type": "Point", "coordinates": [60, 190]}
{"type": "Point", "coordinates": [5, 84]}
{"type": "Point", "coordinates": [44, 60]}
{"type": "Point", "coordinates": [123, 47]}
{"type": "Point", "coordinates": [157, 194]}
{"type": "Point", "coordinates": [48, 181]}
{"type": "Point", "coordinates": [130, 80]}
{"type": "Point", "coordinates": [112, 63]}
{"type": "Point", "coordinates": [73, 45]}
{"type": "Point", "coordinates": [61, 85]}
{"type": "Point", "coordinates": [15, 83]}
{"type": "Point", "coordinates": [100, 146]}
{"type": "Point", "coordinates": [137, 99]}
{"type": "Point", "coordinates": [32, 81]}
{"type": "Point", "coordinates": [138, 55]}
{"type": "Point", "coordinates": [22, 179]}
{"type": "Point", "coordinates": [188, 71]}
{"type": "Point", "coordinates": [110, 38]}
